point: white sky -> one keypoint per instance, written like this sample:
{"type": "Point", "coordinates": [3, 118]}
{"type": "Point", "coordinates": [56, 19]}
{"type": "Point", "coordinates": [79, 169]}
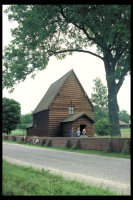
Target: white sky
{"type": "Point", "coordinates": [87, 67]}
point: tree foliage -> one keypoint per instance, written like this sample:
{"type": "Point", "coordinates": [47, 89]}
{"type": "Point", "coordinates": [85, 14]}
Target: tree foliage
{"type": "Point", "coordinates": [11, 115]}
{"type": "Point", "coordinates": [59, 30]}
{"type": "Point", "coordinates": [102, 127]}
{"type": "Point", "coordinates": [124, 116]}
{"type": "Point", "coordinates": [99, 98]}
{"type": "Point", "coordinates": [47, 30]}
{"type": "Point", "coordinates": [22, 126]}
{"type": "Point", "coordinates": [99, 113]}
{"type": "Point", "coordinates": [26, 120]}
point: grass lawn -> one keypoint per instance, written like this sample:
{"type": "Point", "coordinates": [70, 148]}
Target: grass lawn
{"type": "Point", "coordinates": [17, 132]}
{"type": "Point", "coordinates": [125, 133]}
{"type": "Point", "coordinates": [22, 181]}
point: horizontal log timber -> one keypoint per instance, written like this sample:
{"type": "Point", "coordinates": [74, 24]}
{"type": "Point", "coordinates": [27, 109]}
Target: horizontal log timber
{"type": "Point", "coordinates": [70, 94]}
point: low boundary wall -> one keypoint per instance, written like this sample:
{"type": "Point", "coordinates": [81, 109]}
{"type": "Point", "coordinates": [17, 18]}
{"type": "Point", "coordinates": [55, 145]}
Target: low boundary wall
{"type": "Point", "coordinates": [102, 144]}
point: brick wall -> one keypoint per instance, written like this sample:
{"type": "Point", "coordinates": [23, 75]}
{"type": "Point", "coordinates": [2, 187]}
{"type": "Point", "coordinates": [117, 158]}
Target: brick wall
{"type": "Point", "coordinates": [87, 143]}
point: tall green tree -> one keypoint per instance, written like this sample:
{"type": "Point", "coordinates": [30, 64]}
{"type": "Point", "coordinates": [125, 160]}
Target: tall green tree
{"type": "Point", "coordinates": [11, 115]}
{"type": "Point", "coordinates": [99, 113]}
{"type": "Point", "coordinates": [27, 118]}
{"type": "Point", "coordinates": [99, 98]}
{"type": "Point", "coordinates": [60, 30]}
{"type": "Point", "coordinates": [124, 116]}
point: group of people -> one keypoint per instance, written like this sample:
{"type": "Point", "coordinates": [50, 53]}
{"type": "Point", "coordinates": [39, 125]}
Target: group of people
{"type": "Point", "coordinates": [78, 132]}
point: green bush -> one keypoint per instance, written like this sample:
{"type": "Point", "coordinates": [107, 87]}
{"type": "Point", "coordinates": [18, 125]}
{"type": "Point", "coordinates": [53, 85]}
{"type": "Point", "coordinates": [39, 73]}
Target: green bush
{"type": "Point", "coordinates": [127, 149]}
{"type": "Point", "coordinates": [22, 126]}
{"type": "Point", "coordinates": [102, 127]}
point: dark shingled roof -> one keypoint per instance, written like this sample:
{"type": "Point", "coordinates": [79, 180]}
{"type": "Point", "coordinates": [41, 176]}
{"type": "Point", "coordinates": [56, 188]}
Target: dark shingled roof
{"type": "Point", "coordinates": [53, 91]}
{"type": "Point", "coordinates": [76, 116]}
{"type": "Point", "coordinates": [30, 125]}
{"type": "Point", "coordinates": [50, 94]}
{"type": "Point", "coordinates": [123, 123]}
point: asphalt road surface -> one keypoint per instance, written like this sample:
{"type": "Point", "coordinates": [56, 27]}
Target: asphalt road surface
{"type": "Point", "coordinates": [112, 172]}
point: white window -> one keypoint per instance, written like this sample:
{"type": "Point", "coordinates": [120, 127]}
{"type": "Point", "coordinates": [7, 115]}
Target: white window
{"type": "Point", "coordinates": [71, 110]}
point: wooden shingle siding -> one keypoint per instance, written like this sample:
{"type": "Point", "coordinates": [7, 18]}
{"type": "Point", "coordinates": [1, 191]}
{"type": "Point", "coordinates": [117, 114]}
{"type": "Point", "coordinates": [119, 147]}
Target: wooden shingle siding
{"type": "Point", "coordinates": [42, 124]}
{"type": "Point", "coordinates": [67, 92]}
{"type": "Point", "coordinates": [66, 127]}
{"type": "Point", "coordinates": [76, 124]}
{"type": "Point", "coordinates": [84, 121]}
{"type": "Point", "coordinates": [71, 94]}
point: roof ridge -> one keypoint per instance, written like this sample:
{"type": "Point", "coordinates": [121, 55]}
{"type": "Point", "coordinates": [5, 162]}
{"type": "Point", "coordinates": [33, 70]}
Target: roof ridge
{"type": "Point", "coordinates": [51, 90]}
{"type": "Point", "coordinates": [61, 77]}
{"type": "Point", "coordinates": [123, 122]}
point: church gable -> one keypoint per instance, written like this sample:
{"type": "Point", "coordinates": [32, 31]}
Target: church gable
{"type": "Point", "coordinates": [65, 98]}
{"type": "Point", "coordinates": [50, 94]}
{"type": "Point", "coordinates": [70, 95]}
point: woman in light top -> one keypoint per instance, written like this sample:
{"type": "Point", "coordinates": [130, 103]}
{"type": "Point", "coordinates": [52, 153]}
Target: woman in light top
{"type": "Point", "coordinates": [78, 133]}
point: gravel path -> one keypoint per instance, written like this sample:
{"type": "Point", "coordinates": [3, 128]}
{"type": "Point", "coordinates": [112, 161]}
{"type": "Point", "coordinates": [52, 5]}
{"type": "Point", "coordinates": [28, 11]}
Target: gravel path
{"type": "Point", "coordinates": [112, 172]}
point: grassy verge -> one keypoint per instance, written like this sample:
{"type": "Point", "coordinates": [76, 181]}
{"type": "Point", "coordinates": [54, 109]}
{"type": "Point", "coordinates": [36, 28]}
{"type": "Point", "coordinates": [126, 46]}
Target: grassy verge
{"type": "Point", "coordinates": [21, 180]}
{"type": "Point", "coordinates": [85, 151]}
{"type": "Point", "coordinates": [17, 132]}
{"type": "Point", "coordinates": [125, 130]}
{"type": "Point", "coordinates": [125, 133]}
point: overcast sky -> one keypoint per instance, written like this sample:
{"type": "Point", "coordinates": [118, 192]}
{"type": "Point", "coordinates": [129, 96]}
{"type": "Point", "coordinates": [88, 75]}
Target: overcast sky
{"type": "Point", "coordinates": [87, 67]}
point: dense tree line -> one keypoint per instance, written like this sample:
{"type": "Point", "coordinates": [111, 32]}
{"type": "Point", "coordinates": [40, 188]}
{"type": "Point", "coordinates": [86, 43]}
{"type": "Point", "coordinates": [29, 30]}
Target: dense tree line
{"type": "Point", "coordinates": [26, 120]}
{"type": "Point", "coordinates": [101, 115]}
{"type": "Point", "coordinates": [99, 98]}
{"type": "Point", "coordinates": [11, 115]}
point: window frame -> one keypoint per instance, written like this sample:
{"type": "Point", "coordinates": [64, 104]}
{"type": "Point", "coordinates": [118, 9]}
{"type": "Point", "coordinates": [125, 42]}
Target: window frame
{"type": "Point", "coordinates": [71, 110]}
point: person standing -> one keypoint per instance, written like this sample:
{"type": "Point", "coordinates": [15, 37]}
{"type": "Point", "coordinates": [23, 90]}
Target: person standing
{"type": "Point", "coordinates": [84, 132]}
{"type": "Point", "coordinates": [71, 132]}
{"type": "Point", "coordinates": [78, 133]}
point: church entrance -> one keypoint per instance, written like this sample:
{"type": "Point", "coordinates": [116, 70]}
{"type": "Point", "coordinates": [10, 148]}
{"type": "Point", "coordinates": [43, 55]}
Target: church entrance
{"type": "Point", "coordinates": [82, 126]}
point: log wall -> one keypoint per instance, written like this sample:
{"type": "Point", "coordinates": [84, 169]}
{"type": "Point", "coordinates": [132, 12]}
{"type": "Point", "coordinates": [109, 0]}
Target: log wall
{"type": "Point", "coordinates": [42, 124]}
{"type": "Point", "coordinates": [71, 94]}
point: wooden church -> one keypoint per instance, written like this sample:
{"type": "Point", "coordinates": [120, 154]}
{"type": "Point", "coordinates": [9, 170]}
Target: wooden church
{"type": "Point", "coordinates": [64, 106]}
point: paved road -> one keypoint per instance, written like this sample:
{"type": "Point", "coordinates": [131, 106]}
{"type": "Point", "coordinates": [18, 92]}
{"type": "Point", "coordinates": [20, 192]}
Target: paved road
{"type": "Point", "coordinates": [112, 172]}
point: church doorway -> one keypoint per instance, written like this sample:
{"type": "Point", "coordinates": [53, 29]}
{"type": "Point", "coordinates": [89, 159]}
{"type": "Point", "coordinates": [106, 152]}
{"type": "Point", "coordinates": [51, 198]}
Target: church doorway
{"type": "Point", "coordinates": [82, 126]}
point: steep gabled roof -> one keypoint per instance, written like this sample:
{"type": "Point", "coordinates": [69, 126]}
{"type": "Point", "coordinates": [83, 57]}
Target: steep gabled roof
{"type": "Point", "coordinates": [53, 91]}
{"type": "Point", "coordinates": [76, 116]}
{"type": "Point", "coordinates": [51, 94]}
{"type": "Point", "coordinates": [123, 123]}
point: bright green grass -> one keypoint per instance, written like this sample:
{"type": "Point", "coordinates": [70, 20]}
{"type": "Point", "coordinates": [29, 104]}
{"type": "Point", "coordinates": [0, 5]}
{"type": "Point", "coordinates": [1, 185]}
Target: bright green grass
{"type": "Point", "coordinates": [125, 133]}
{"type": "Point", "coordinates": [22, 181]}
{"type": "Point", "coordinates": [85, 151]}
{"type": "Point", "coordinates": [17, 132]}
{"type": "Point", "coordinates": [127, 130]}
